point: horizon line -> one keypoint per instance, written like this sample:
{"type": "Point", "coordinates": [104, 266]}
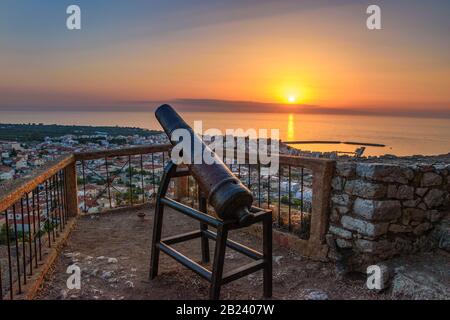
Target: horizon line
{"type": "Point", "coordinates": [234, 106]}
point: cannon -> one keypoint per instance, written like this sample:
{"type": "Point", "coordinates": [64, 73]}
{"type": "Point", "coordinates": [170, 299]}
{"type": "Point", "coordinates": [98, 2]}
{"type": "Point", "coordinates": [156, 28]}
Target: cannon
{"type": "Point", "coordinates": [230, 199]}
{"type": "Point", "coordinates": [232, 202]}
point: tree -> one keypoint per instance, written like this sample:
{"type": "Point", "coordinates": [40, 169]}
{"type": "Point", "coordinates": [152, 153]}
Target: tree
{"type": "Point", "coordinates": [294, 201]}
{"type": "Point", "coordinates": [3, 234]}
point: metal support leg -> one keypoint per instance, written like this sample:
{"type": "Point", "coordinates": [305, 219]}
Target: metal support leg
{"type": "Point", "coordinates": [216, 276]}
{"type": "Point", "coordinates": [219, 259]}
{"type": "Point", "coordinates": [204, 227]}
{"type": "Point", "coordinates": [157, 224]}
{"type": "Point", "coordinates": [267, 255]}
{"type": "Point", "coordinates": [157, 229]}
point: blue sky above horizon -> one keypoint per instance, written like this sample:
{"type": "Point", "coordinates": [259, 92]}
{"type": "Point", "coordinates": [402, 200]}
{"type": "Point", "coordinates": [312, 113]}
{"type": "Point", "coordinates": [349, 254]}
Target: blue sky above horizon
{"type": "Point", "coordinates": [248, 50]}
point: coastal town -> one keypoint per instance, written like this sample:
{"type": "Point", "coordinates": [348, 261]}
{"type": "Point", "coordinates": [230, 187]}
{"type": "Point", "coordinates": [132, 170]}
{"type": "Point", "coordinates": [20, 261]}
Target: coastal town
{"type": "Point", "coordinates": [19, 158]}
{"type": "Point", "coordinates": [114, 182]}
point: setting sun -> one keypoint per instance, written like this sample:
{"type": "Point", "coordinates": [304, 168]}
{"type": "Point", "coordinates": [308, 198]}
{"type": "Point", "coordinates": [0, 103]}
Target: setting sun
{"type": "Point", "coordinates": [292, 92]}
{"type": "Point", "coordinates": [292, 99]}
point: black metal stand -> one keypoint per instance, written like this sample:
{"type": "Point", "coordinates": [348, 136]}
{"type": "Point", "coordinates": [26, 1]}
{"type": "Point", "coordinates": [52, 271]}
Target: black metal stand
{"type": "Point", "coordinates": [216, 276]}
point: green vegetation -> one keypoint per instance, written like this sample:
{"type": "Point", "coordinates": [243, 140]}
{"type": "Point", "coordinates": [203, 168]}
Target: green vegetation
{"type": "Point", "coordinates": [13, 153]}
{"type": "Point", "coordinates": [124, 198]}
{"type": "Point", "coordinates": [21, 237]}
{"type": "Point", "coordinates": [118, 141]}
{"type": "Point", "coordinates": [48, 227]}
{"type": "Point", "coordinates": [294, 201]}
{"type": "Point", "coordinates": [3, 234]}
{"type": "Point", "coordinates": [136, 172]}
{"type": "Point", "coordinates": [37, 132]}
{"type": "Point", "coordinates": [90, 140]}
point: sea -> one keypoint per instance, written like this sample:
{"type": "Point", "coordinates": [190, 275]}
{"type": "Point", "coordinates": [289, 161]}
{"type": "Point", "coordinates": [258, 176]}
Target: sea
{"type": "Point", "coordinates": [402, 136]}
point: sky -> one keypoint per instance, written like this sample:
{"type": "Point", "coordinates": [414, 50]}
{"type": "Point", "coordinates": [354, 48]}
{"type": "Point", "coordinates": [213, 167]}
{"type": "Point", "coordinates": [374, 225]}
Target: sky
{"type": "Point", "coordinates": [256, 55]}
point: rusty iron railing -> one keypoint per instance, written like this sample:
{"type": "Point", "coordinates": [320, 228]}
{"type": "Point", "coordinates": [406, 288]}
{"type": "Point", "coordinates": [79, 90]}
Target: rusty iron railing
{"type": "Point", "coordinates": [298, 194]}
{"type": "Point", "coordinates": [119, 178]}
{"type": "Point", "coordinates": [34, 214]}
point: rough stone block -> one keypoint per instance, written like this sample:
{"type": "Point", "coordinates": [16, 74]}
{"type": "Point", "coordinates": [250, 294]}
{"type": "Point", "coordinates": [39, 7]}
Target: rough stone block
{"type": "Point", "coordinates": [341, 199]}
{"type": "Point", "coordinates": [341, 232]}
{"type": "Point", "coordinates": [344, 244]}
{"type": "Point", "coordinates": [392, 191]}
{"type": "Point", "coordinates": [342, 209]}
{"type": "Point", "coordinates": [337, 183]}
{"type": "Point", "coordinates": [421, 191]}
{"type": "Point", "coordinates": [425, 168]}
{"type": "Point", "coordinates": [363, 227]}
{"type": "Point", "coordinates": [422, 228]}
{"type": "Point", "coordinates": [411, 203]}
{"type": "Point", "coordinates": [422, 206]}
{"type": "Point", "coordinates": [335, 217]}
{"type": "Point", "coordinates": [440, 235]}
{"type": "Point", "coordinates": [447, 199]}
{"type": "Point", "coordinates": [444, 241]}
{"type": "Point", "coordinates": [346, 169]}
{"type": "Point", "coordinates": [385, 172]}
{"type": "Point", "coordinates": [397, 228]}
{"type": "Point", "coordinates": [431, 179]}
{"type": "Point", "coordinates": [415, 214]}
{"type": "Point", "coordinates": [375, 247]}
{"type": "Point", "coordinates": [402, 245]}
{"type": "Point", "coordinates": [434, 215]}
{"type": "Point", "coordinates": [434, 198]}
{"type": "Point", "coordinates": [403, 192]}
{"type": "Point", "coordinates": [442, 168]}
{"type": "Point", "coordinates": [365, 189]}
{"type": "Point", "coordinates": [375, 210]}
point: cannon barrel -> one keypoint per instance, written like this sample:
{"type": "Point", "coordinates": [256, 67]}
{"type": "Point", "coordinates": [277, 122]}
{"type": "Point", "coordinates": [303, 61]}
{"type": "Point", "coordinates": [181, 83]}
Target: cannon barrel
{"type": "Point", "coordinates": [227, 195]}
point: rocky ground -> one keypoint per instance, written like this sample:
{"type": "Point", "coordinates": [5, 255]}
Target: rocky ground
{"type": "Point", "coordinates": [421, 277]}
{"type": "Point", "coordinates": [112, 251]}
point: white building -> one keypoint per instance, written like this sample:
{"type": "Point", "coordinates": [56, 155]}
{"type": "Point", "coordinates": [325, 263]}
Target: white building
{"type": "Point", "coordinates": [22, 164]}
{"type": "Point", "coordinates": [6, 173]}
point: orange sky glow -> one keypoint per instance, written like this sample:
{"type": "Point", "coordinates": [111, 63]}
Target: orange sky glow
{"type": "Point", "coordinates": [322, 56]}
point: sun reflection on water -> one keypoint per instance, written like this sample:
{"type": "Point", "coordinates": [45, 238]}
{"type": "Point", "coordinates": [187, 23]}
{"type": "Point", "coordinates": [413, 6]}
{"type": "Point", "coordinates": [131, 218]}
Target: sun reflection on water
{"type": "Point", "coordinates": [290, 128]}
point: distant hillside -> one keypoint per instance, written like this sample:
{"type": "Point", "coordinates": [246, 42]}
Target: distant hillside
{"type": "Point", "coordinates": [38, 132]}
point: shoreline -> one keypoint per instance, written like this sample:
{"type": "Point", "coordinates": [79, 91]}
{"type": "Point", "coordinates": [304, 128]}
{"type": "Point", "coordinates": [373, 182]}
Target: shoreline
{"type": "Point", "coordinates": [27, 133]}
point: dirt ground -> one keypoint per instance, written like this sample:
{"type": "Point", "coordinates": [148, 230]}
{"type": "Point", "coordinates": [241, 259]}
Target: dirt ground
{"type": "Point", "coordinates": [113, 252]}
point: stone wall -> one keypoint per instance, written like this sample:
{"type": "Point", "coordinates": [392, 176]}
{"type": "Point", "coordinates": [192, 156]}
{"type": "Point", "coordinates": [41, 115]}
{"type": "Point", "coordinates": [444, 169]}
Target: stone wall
{"type": "Point", "coordinates": [381, 210]}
